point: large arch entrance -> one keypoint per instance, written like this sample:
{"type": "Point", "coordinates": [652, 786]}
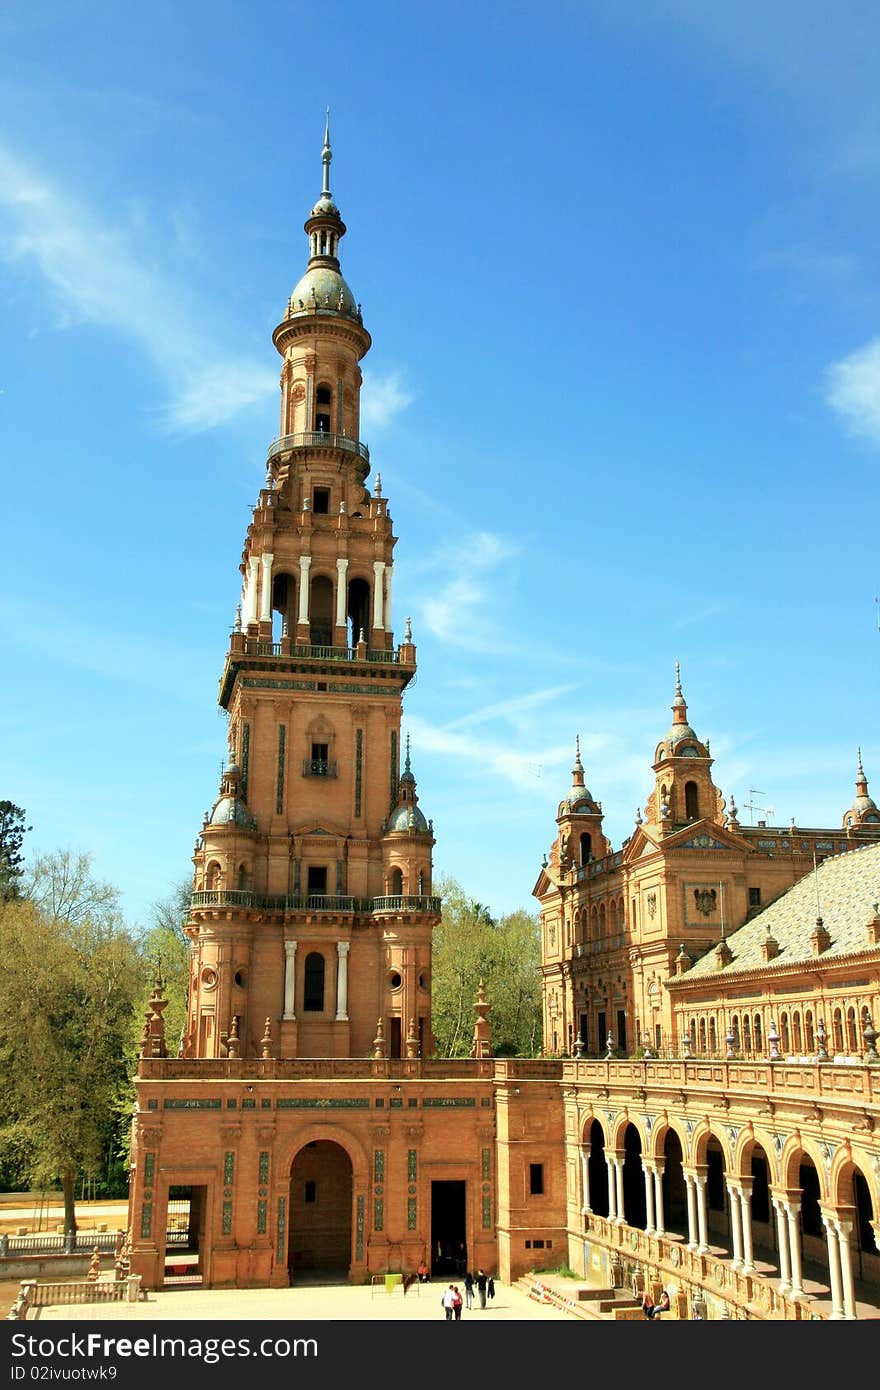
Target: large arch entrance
{"type": "Point", "coordinates": [321, 1184]}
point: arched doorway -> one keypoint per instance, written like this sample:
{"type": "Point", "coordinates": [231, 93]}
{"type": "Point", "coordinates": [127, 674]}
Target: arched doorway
{"type": "Point", "coordinates": [675, 1218]}
{"type": "Point", "coordinates": [321, 1184]}
{"type": "Point", "coordinates": [634, 1207]}
{"type": "Point", "coordinates": [597, 1169]}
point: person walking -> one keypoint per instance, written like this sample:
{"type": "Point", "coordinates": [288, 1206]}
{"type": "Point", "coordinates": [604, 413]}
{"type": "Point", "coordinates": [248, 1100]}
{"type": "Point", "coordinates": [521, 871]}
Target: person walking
{"type": "Point", "coordinates": [481, 1282]}
{"type": "Point", "coordinates": [468, 1290]}
{"type": "Point", "coordinates": [448, 1301]}
{"type": "Point", "coordinates": [490, 1288]}
{"type": "Point", "coordinates": [456, 1303]}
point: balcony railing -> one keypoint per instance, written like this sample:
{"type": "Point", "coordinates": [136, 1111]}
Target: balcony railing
{"type": "Point", "coordinates": [320, 767]}
{"type": "Point", "coordinates": [255, 646]}
{"type": "Point", "coordinates": [320, 438]}
{"type": "Point", "coordinates": [311, 902]}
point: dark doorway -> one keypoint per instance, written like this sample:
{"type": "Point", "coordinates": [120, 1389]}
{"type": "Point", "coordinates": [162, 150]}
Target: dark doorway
{"type": "Point", "coordinates": [621, 1030]}
{"type": "Point", "coordinates": [635, 1211]}
{"type": "Point", "coordinates": [321, 1186]}
{"type": "Point", "coordinates": [394, 1038]}
{"type": "Point", "coordinates": [448, 1228]}
{"type": "Point", "coordinates": [597, 1170]}
{"type": "Point", "coordinates": [673, 1186]}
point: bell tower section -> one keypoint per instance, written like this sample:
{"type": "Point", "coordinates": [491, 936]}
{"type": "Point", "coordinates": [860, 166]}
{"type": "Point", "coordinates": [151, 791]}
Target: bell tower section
{"type": "Point", "coordinates": [312, 908]}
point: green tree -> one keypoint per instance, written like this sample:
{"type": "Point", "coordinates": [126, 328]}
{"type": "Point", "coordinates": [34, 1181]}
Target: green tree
{"type": "Point", "coordinates": [12, 833]}
{"type": "Point", "coordinates": [70, 984]}
{"type": "Point", "coordinates": [470, 945]}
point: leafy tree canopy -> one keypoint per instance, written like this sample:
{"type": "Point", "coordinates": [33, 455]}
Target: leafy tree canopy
{"type": "Point", "coordinates": [12, 833]}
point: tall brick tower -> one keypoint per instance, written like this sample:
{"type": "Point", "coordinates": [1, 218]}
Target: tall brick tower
{"type": "Point", "coordinates": [312, 910]}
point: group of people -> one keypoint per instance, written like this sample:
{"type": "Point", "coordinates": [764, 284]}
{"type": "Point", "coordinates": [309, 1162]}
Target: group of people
{"type": "Point", "coordinates": [480, 1284]}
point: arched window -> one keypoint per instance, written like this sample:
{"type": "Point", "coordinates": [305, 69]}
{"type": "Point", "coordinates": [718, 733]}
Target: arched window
{"type": "Point", "coordinates": [837, 1031]}
{"type": "Point", "coordinates": [323, 403]}
{"type": "Point", "coordinates": [396, 883]}
{"type": "Point", "coordinates": [321, 612]}
{"type": "Point", "coordinates": [713, 1036]}
{"type": "Point", "coordinates": [691, 801]}
{"type": "Point", "coordinates": [212, 876]}
{"type": "Point", "coordinates": [734, 1029]}
{"type": "Point", "coordinates": [284, 613]}
{"type": "Point", "coordinates": [702, 1035]}
{"type": "Point", "coordinates": [586, 848]}
{"type": "Point", "coordinates": [808, 1030]}
{"type": "Point", "coordinates": [851, 1038]}
{"type": "Point", "coordinates": [785, 1038]}
{"type": "Point", "coordinates": [759, 1033]}
{"type": "Point", "coordinates": [313, 983]}
{"type": "Point", "coordinates": [747, 1034]}
{"type": "Point", "coordinates": [796, 1033]}
{"type": "Point", "coordinates": [241, 878]}
{"type": "Point", "coordinates": [358, 611]}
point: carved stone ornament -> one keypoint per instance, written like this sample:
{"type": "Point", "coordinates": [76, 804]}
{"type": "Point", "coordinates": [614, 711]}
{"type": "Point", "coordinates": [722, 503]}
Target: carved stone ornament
{"type": "Point", "coordinates": [704, 899]}
{"type": "Point", "coordinates": [651, 904]}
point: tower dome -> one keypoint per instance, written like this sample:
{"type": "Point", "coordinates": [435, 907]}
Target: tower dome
{"type": "Point", "coordinates": [863, 810]}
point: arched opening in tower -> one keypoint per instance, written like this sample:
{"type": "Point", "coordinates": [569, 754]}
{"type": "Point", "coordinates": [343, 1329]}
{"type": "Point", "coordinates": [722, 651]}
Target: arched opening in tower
{"type": "Point", "coordinates": [358, 611]}
{"type": "Point", "coordinates": [691, 801]}
{"type": "Point", "coordinates": [283, 606]}
{"type": "Point", "coordinates": [321, 1186]}
{"type": "Point", "coordinates": [321, 612]}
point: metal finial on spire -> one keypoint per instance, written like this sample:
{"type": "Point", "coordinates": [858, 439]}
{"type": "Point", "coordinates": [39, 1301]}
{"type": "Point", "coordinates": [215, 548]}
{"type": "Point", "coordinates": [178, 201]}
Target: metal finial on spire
{"type": "Point", "coordinates": [677, 678]}
{"type": "Point", "coordinates": [861, 769]}
{"type": "Point", "coordinates": [408, 631]}
{"type": "Point", "coordinates": [406, 763]}
{"type": "Point", "coordinates": [326, 155]}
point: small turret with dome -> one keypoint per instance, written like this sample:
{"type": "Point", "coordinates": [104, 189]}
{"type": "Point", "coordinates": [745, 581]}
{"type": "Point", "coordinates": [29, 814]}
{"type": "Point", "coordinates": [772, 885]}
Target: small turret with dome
{"type": "Point", "coordinates": [407, 841]}
{"type": "Point", "coordinates": [579, 818]}
{"type": "Point", "coordinates": [230, 808]}
{"type": "Point", "coordinates": [406, 815]}
{"type": "Point", "coordinates": [863, 810]}
{"type": "Point", "coordinates": [683, 789]}
{"type": "Point", "coordinates": [322, 287]}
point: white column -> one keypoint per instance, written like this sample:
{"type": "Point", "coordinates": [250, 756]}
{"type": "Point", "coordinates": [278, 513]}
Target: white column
{"type": "Point", "coordinates": [585, 1182]}
{"type": "Point", "coordinates": [289, 978]}
{"type": "Point", "coordinates": [378, 593]}
{"type": "Point", "coordinates": [649, 1200]}
{"type": "Point", "coordinates": [745, 1200]}
{"type": "Point", "coordinates": [250, 591]}
{"type": "Point", "coordinates": [341, 594]}
{"type": "Point", "coordinates": [342, 950]}
{"type": "Point", "coordinates": [782, 1241]}
{"type": "Point", "coordinates": [304, 562]}
{"type": "Point", "coordinates": [844, 1232]}
{"type": "Point", "coordinates": [837, 1311]}
{"type": "Point", "coordinates": [388, 575]}
{"type": "Point", "coordinates": [618, 1174]}
{"type": "Point", "coordinates": [702, 1215]}
{"type": "Point", "coordinates": [612, 1188]}
{"type": "Point", "coordinates": [266, 595]}
{"type": "Point", "coordinates": [660, 1222]}
{"type": "Point", "coordinates": [735, 1211]}
{"type": "Point", "coordinates": [692, 1211]}
{"type": "Point", "coordinates": [793, 1211]}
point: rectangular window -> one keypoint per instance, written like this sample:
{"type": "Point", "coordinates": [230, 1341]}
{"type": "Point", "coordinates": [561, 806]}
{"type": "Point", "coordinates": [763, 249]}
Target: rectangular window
{"type": "Point", "coordinates": [754, 897]}
{"type": "Point", "coordinates": [321, 496]}
{"type": "Point", "coordinates": [536, 1179]}
{"type": "Point", "coordinates": [317, 880]}
{"type": "Point", "coordinates": [537, 1245]}
{"type": "Point", "coordinates": [310, 1191]}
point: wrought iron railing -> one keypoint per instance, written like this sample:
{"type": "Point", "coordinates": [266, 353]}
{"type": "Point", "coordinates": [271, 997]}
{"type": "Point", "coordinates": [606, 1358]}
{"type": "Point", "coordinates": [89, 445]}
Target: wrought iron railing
{"type": "Point", "coordinates": [256, 646]}
{"type": "Point", "coordinates": [321, 439]}
{"type": "Point", "coordinates": [312, 902]}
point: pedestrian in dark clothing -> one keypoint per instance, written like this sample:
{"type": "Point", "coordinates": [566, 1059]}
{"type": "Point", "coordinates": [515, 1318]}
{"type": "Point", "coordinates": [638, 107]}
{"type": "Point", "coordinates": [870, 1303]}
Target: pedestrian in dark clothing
{"type": "Point", "coordinates": [481, 1282]}
{"type": "Point", "coordinates": [468, 1290]}
{"type": "Point", "coordinates": [490, 1287]}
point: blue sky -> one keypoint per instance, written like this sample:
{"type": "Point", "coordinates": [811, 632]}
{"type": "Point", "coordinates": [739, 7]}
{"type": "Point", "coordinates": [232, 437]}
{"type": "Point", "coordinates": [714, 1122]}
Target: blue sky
{"type": "Point", "coordinates": [620, 266]}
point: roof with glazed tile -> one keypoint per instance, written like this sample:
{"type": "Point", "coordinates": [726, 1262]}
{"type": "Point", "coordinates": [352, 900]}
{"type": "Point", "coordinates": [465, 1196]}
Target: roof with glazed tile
{"type": "Point", "coordinates": [849, 886]}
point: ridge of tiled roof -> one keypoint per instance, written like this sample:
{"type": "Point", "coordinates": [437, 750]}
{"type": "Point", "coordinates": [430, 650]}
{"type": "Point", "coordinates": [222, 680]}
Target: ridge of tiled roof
{"type": "Point", "coordinates": [849, 886]}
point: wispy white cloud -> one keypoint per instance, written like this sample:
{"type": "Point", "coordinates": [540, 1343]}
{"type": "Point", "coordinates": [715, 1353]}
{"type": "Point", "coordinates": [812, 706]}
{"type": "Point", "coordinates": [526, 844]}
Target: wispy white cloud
{"type": "Point", "coordinates": [853, 390]}
{"type": "Point", "coordinates": [383, 398]}
{"type": "Point", "coordinates": [513, 710]}
{"type": "Point", "coordinates": [458, 612]}
{"type": "Point", "coordinates": [104, 272]}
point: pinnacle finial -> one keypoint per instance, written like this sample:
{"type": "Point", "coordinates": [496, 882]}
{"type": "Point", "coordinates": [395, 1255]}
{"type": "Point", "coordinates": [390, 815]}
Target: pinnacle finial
{"type": "Point", "coordinates": [861, 769]}
{"type": "Point", "coordinates": [326, 154]}
{"type": "Point", "coordinates": [406, 763]}
{"type": "Point", "coordinates": [678, 678]}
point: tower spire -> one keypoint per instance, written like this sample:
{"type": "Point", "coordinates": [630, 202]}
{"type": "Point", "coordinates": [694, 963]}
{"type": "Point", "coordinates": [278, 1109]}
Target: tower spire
{"type": "Point", "coordinates": [326, 156]}
{"type": "Point", "coordinates": [679, 708]}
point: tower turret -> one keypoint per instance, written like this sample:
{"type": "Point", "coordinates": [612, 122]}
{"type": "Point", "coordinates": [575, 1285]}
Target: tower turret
{"type": "Point", "coordinates": [683, 786]}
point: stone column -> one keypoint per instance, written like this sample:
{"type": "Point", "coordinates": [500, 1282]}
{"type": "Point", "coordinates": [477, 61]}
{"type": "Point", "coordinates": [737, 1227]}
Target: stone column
{"type": "Point", "coordinates": [844, 1234]}
{"type": "Point", "coordinates": [289, 979]}
{"type": "Point", "coordinates": [266, 594]}
{"type": "Point", "coordinates": [304, 562]}
{"type": "Point", "coordinates": [782, 1241]}
{"type": "Point", "coordinates": [793, 1211]}
{"type": "Point", "coordinates": [692, 1211]}
{"type": "Point", "coordinates": [585, 1182]}
{"type": "Point", "coordinates": [735, 1211]}
{"type": "Point", "coordinates": [341, 593]}
{"type": "Point", "coordinates": [378, 594]}
{"type": "Point", "coordinates": [389, 570]}
{"type": "Point", "coordinates": [660, 1222]}
{"type": "Point", "coordinates": [649, 1200]}
{"type": "Point", "coordinates": [618, 1174]}
{"type": "Point", "coordinates": [250, 591]}
{"type": "Point", "coordinates": [837, 1309]}
{"type": "Point", "coordinates": [612, 1188]}
{"type": "Point", "coordinates": [342, 950]}
{"type": "Point", "coordinates": [745, 1199]}
{"type": "Point", "coordinates": [702, 1215]}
